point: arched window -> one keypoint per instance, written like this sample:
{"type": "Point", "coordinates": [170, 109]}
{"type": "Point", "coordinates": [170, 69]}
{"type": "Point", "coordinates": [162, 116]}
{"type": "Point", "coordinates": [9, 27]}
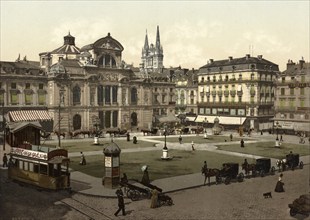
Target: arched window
{"type": "Point", "coordinates": [134, 96]}
{"type": "Point", "coordinates": [134, 119]}
{"type": "Point", "coordinates": [76, 95]}
{"type": "Point", "coordinates": [107, 61]}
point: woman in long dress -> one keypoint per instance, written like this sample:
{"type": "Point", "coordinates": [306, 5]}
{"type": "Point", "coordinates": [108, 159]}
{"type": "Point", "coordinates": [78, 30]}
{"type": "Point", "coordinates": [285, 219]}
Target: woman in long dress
{"type": "Point", "coordinates": [279, 186]}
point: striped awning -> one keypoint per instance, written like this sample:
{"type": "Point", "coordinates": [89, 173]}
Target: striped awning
{"type": "Point", "coordinates": [31, 115]}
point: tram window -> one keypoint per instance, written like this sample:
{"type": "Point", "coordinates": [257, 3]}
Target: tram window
{"type": "Point", "coordinates": [31, 167]}
{"type": "Point", "coordinates": [43, 169]}
{"type": "Point", "coordinates": [36, 168]}
{"type": "Point", "coordinates": [21, 164]}
{"type": "Point", "coordinates": [26, 165]}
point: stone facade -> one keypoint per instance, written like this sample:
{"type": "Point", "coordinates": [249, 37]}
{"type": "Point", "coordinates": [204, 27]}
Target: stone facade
{"type": "Point", "coordinates": [292, 105]}
{"type": "Point", "coordinates": [240, 92]}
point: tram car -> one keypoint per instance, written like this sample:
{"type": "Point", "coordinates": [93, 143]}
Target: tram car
{"type": "Point", "coordinates": [44, 167]}
{"type": "Point", "coordinates": [229, 172]}
{"type": "Point", "coordinates": [263, 167]}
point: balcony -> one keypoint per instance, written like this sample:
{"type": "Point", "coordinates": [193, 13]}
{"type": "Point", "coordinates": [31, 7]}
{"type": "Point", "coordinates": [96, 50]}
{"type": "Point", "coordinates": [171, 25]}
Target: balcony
{"type": "Point", "coordinates": [213, 93]}
{"type": "Point", "coordinates": [220, 92]}
{"type": "Point", "coordinates": [226, 93]}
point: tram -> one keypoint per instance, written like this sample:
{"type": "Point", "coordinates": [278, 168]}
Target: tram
{"type": "Point", "coordinates": [44, 167]}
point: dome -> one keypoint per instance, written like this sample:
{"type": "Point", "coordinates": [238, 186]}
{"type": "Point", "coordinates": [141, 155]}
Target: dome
{"type": "Point", "coordinates": [112, 148]}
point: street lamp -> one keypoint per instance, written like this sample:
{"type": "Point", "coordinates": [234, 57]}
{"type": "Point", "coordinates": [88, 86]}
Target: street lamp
{"type": "Point", "coordinates": [204, 128]}
{"type": "Point", "coordinates": [61, 101]}
{"type": "Point", "coordinates": [277, 139]}
{"type": "Point", "coordinates": [165, 148]}
{"type": "Point", "coordinates": [165, 133]}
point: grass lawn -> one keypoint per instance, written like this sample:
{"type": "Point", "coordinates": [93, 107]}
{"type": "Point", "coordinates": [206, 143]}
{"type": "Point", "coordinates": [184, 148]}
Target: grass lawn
{"type": "Point", "coordinates": [85, 145]}
{"type": "Point", "coordinates": [199, 139]}
{"type": "Point", "coordinates": [183, 162]}
{"type": "Point", "coordinates": [267, 149]}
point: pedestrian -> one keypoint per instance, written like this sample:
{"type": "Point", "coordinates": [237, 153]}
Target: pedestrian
{"type": "Point", "coordinates": [204, 171]}
{"type": "Point", "coordinates": [154, 199]}
{"type": "Point", "coordinates": [121, 204]}
{"type": "Point", "coordinates": [128, 136]}
{"type": "Point", "coordinates": [83, 160]}
{"type": "Point", "coordinates": [231, 137]}
{"type": "Point", "coordinates": [180, 139]}
{"type": "Point", "coordinates": [261, 132]}
{"type": "Point", "coordinates": [242, 143]}
{"type": "Point", "coordinates": [281, 138]}
{"type": "Point", "coordinates": [193, 146]}
{"type": "Point", "coordinates": [145, 177]}
{"type": "Point", "coordinates": [280, 184]}
{"type": "Point", "coordinates": [5, 160]}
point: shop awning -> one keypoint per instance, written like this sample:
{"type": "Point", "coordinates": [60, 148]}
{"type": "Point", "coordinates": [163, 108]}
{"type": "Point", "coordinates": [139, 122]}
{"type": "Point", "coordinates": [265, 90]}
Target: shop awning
{"type": "Point", "coordinates": [223, 119]}
{"type": "Point", "coordinates": [17, 126]}
{"type": "Point", "coordinates": [168, 118]}
{"type": "Point", "coordinates": [29, 115]}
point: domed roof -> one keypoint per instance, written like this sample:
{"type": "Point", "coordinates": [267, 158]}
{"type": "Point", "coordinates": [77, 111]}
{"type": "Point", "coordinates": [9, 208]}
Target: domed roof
{"type": "Point", "coordinates": [112, 148]}
{"type": "Point", "coordinates": [68, 47]}
{"type": "Point", "coordinates": [109, 43]}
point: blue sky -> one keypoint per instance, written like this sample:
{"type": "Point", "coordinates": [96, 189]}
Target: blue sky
{"type": "Point", "coordinates": [192, 32]}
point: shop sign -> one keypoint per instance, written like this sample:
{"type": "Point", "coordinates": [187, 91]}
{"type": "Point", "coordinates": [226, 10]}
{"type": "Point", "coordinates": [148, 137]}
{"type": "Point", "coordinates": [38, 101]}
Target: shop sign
{"type": "Point", "coordinates": [29, 153]}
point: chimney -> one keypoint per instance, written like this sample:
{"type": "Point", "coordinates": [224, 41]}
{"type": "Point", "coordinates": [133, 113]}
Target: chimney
{"type": "Point", "coordinates": [247, 56]}
{"type": "Point", "coordinates": [230, 58]}
{"type": "Point", "coordinates": [289, 64]}
{"type": "Point", "coordinates": [260, 57]}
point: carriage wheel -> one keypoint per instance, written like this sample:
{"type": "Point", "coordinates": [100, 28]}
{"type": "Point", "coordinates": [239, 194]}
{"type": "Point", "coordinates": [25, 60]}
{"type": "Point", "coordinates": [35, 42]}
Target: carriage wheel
{"type": "Point", "coordinates": [227, 180]}
{"type": "Point", "coordinates": [293, 212]}
{"type": "Point", "coordinates": [133, 195]}
{"type": "Point", "coordinates": [240, 177]}
{"type": "Point", "coordinates": [254, 173]}
{"type": "Point", "coordinates": [262, 173]}
{"type": "Point", "coordinates": [273, 170]}
{"type": "Point", "coordinates": [301, 165]}
{"type": "Point", "coordinates": [170, 202]}
{"type": "Point", "coordinates": [218, 180]}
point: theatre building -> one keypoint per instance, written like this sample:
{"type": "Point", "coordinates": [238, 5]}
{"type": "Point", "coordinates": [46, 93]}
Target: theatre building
{"type": "Point", "coordinates": [237, 91]}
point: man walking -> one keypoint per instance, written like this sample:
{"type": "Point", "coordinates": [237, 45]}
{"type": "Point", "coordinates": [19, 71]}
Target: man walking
{"type": "Point", "coordinates": [5, 160]}
{"type": "Point", "coordinates": [121, 204]}
{"type": "Point", "coordinates": [242, 143]}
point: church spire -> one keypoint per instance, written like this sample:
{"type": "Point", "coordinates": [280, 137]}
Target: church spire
{"type": "Point", "coordinates": [146, 43]}
{"type": "Point", "coordinates": [157, 38]}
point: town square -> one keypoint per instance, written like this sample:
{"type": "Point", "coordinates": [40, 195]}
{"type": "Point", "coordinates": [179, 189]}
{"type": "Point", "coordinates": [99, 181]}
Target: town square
{"type": "Point", "coordinates": [154, 110]}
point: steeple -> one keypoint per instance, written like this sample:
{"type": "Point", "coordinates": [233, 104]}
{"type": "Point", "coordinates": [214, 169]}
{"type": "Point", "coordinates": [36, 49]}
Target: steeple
{"type": "Point", "coordinates": [157, 39]}
{"type": "Point", "coordinates": [146, 43]}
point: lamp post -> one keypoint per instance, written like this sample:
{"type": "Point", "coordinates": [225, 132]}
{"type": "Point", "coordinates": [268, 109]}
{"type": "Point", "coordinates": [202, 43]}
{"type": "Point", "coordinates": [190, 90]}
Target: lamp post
{"type": "Point", "coordinates": [3, 126]}
{"type": "Point", "coordinates": [165, 148]}
{"type": "Point", "coordinates": [205, 135]}
{"type": "Point", "coordinates": [165, 133]}
{"type": "Point", "coordinates": [61, 101]}
{"type": "Point", "coordinates": [277, 139]}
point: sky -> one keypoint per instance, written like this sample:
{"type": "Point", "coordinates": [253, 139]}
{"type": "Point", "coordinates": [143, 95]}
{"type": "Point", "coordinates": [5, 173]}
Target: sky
{"type": "Point", "coordinates": [191, 32]}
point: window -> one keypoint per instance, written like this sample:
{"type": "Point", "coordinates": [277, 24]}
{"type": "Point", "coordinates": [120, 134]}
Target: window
{"type": "Point", "coordinates": [302, 91]}
{"type": "Point", "coordinates": [192, 101]}
{"type": "Point", "coordinates": [13, 85]}
{"type": "Point", "coordinates": [283, 79]}
{"type": "Point", "coordinates": [41, 86]}
{"type": "Point", "coordinates": [208, 78]}
{"type": "Point", "coordinates": [28, 98]}
{"type": "Point", "coordinates": [76, 95]}
{"type": "Point", "coordinates": [252, 76]}
{"type": "Point", "coordinates": [282, 91]}
{"type": "Point", "coordinates": [302, 103]}
{"type": "Point", "coordinates": [291, 91]}
{"type": "Point", "coordinates": [226, 78]}
{"type": "Point", "coordinates": [202, 79]}
{"type": "Point", "coordinates": [303, 78]}
{"type": "Point", "coordinates": [291, 115]}
{"type": "Point", "coordinates": [214, 78]}
{"type": "Point", "coordinates": [240, 76]}
{"type": "Point", "coordinates": [27, 86]}
{"type": "Point", "coordinates": [41, 98]}
{"type": "Point", "coordinates": [163, 99]}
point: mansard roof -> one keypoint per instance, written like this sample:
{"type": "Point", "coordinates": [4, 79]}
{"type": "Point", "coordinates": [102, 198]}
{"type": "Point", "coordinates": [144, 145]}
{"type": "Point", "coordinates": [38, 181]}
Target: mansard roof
{"type": "Point", "coordinates": [239, 63]}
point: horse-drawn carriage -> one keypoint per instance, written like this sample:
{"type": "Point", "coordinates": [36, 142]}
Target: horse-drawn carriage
{"type": "Point", "coordinates": [228, 173]}
{"type": "Point", "coordinates": [291, 161]}
{"type": "Point", "coordinates": [136, 192]}
{"type": "Point", "coordinates": [261, 167]}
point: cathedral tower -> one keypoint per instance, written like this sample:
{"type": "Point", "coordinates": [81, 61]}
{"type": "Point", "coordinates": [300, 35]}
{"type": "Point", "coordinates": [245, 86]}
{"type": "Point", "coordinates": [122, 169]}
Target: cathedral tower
{"type": "Point", "coordinates": [152, 56]}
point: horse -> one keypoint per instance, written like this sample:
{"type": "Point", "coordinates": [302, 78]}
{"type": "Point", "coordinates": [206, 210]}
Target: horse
{"type": "Point", "coordinates": [249, 167]}
{"type": "Point", "coordinates": [209, 173]}
{"type": "Point", "coordinates": [63, 134]}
